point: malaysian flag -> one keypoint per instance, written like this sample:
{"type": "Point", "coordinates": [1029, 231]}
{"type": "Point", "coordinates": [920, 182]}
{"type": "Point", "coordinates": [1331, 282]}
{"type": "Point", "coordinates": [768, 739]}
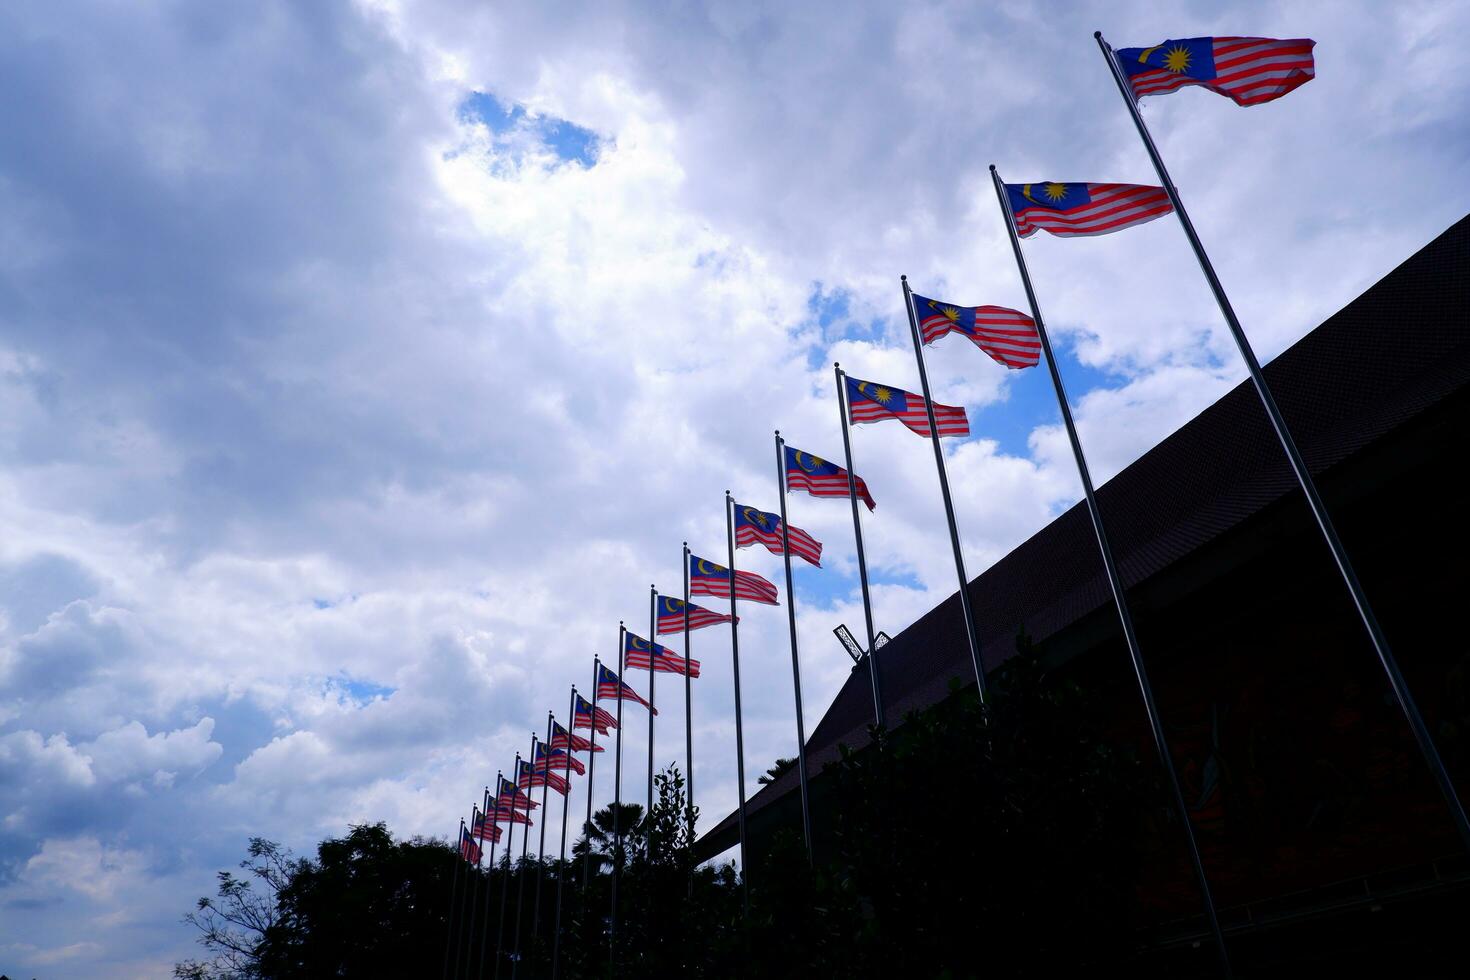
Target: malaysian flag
{"type": "Point", "coordinates": [468, 849]}
{"type": "Point", "coordinates": [528, 777]}
{"type": "Point", "coordinates": [612, 688]}
{"type": "Point", "coordinates": [502, 813]}
{"type": "Point", "coordinates": [1079, 210]}
{"type": "Point", "coordinates": [587, 715]}
{"type": "Point", "coordinates": [486, 829]}
{"type": "Point", "coordinates": [1009, 336]}
{"type": "Point", "coordinates": [563, 739]}
{"type": "Point", "coordinates": [708, 578]}
{"type": "Point", "coordinates": [1250, 70]}
{"type": "Point", "coordinates": [510, 796]}
{"type": "Point", "coordinates": [870, 402]}
{"type": "Point", "coordinates": [671, 616]}
{"type": "Point", "coordinates": [759, 527]}
{"type": "Point", "coordinates": [639, 654]}
{"type": "Point", "coordinates": [820, 478]}
{"type": "Point", "coordinates": [558, 759]}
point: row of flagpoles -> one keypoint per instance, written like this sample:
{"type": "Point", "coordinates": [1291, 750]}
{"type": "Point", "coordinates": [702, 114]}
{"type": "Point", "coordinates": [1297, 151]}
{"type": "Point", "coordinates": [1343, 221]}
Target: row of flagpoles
{"type": "Point", "coordinates": [1250, 71]}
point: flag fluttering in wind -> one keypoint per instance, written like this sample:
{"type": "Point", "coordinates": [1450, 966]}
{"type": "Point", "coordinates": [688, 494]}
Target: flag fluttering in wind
{"type": "Point", "coordinates": [713, 579]}
{"type": "Point", "coordinates": [1080, 210]}
{"type": "Point", "coordinates": [1249, 70]}
{"type": "Point", "coordinates": [871, 402]}
{"type": "Point", "coordinates": [820, 478]}
{"type": "Point", "coordinates": [1007, 335]}
{"type": "Point", "coordinates": [759, 527]}
{"type": "Point", "coordinates": [639, 654]}
{"type": "Point", "coordinates": [671, 616]}
{"type": "Point", "coordinates": [510, 796]}
{"type": "Point", "coordinates": [468, 849]}
{"type": "Point", "coordinates": [529, 777]}
{"type": "Point", "coordinates": [588, 715]}
{"type": "Point", "coordinates": [558, 759]}
{"type": "Point", "coordinates": [563, 739]}
{"type": "Point", "coordinates": [611, 687]}
{"type": "Point", "coordinates": [504, 813]}
{"type": "Point", "coordinates": [486, 828]}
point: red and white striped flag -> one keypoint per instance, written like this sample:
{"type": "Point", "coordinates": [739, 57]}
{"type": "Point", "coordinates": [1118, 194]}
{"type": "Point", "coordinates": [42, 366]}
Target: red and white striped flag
{"type": "Point", "coordinates": [713, 579]}
{"type": "Point", "coordinates": [1248, 70]}
{"type": "Point", "coordinates": [820, 478]}
{"type": "Point", "coordinates": [671, 616]}
{"type": "Point", "coordinates": [1007, 335]}
{"type": "Point", "coordinates": [1080, 210]}
{"type": "Point", "coordinates": [870, 402]}
{"type": "Point", "coordinates": [759, 527]}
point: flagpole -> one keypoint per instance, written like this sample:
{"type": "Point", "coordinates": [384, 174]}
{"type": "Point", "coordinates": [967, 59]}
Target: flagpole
{"type": "Point", "coordinates": [688, 707]}
{"type": "Point", "coordinates": [450, 918]}
{"type": "Point", "coordinates": [485, 930]}
{"type": "Point", "coordinates": [1115, 581]}
{"type": "Point", "coordinates": [971, 636]}
{"type": "Point", "coordinates": [469, 909]}
{"type": "Point", "coordinates": [541, 845]}
{"type": "Point", "coordinates": [561, 864]}
{"type": "Point", "coordinates": [505, 878]}
{"type": "Point", "coordinates": [801, 771]}
{"type": "Point", "coordinates": [1386, 658]}
{"type": "Point", "coordinates": [857, 533]}
{"type": "Point", "coordinates": [515, 954]}
{"type": "Point", "coordinates": [739, 726]}
{"type": "Point", "coordinates": [617, 855]}
{"type": "Point", "coordinates": [652, 644]}
{"type": "Point", "coordinates": [591, 771]}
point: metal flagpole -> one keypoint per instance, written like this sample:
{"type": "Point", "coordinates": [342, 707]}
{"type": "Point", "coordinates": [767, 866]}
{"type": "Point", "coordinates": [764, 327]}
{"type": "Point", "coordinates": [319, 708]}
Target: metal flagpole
{"type": "Point", "coordinates": [688, 708]}
{"type": "Point", "coordinates": [515, 952]}
{"type": "Point", "coordinates": [591, 772]}
{"type": "Point", "coordinates": [739, 725]}
{"type": "Point", "coordinates": [857, 532]}
{"type": "Point", "coordinates": [1299, 467]}
{"type": "Point", "coordinates": [652, 669]}
{"type": "Point", "coordinates": [806, 813]}
{"type": "Point", "coordinates": [971, 636]}
{"type": "Point", "coordinates": [505, 877]}
{"type": "Point", "coordinates": [617, 855]}
{"type": "Point", "coordinates": [1115, 581]}
{"type": "Point", "coordinates": [561, 864]}
{"type": "Point", "coordinates": [541, 845]}
{"type": "Point", "coordinates": [485, 919]}
{"type": "Point", "coordinates": [449, 919]}
{"type": "Point", "coordinates": [469, 909]}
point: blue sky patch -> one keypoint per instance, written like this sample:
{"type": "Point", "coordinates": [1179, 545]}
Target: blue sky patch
{"type": "Point", "coordinates": [357, 690]}
{"type": "Point", "coordinates": [570, 142]}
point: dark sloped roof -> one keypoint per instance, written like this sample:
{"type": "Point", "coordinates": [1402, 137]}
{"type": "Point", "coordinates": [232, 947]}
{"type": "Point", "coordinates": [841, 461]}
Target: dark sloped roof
{"type": "Point", "coordinates": [1396, 350]}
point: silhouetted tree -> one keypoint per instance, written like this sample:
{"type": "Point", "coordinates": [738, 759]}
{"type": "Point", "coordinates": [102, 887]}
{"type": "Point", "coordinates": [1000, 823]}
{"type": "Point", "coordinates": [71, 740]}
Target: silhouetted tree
{"type": "Point", "coordinates": [968, 840]}
{"type": "Point", "coordinates": [774, 773]}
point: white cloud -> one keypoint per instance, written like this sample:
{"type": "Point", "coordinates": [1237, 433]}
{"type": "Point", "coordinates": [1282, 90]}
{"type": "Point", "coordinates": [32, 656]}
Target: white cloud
{"type": "Point", "coordinates": [130, 751]}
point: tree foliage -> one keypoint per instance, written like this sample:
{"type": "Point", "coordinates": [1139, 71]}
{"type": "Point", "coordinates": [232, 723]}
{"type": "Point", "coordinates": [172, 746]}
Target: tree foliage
{"type": "Point", "coordinates": [970, 840]}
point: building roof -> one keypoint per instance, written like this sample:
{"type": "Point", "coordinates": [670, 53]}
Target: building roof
{"type": "Point", "coordinates": [1395, 351]}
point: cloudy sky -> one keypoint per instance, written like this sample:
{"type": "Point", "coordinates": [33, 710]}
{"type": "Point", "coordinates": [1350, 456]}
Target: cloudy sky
{"type": "Point", "coordinates": [362, 363]}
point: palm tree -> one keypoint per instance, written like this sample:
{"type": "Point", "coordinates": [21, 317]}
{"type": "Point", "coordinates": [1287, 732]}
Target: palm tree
{"type": "Point", "coordinates": [774, 773]}
{"type": "Point", "coordinates": [599, 840]}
